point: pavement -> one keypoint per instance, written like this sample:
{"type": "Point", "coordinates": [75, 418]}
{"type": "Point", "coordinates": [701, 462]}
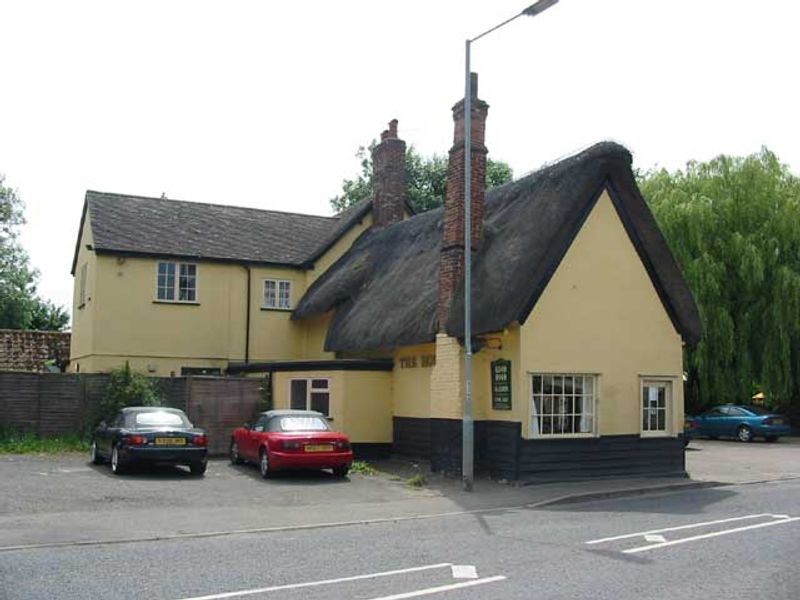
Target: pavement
{"type": "Point", "coordinates": [65, 500]}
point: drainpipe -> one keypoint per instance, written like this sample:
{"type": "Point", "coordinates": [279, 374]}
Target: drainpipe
{"type": "Point", "coordinates": [247, 320]}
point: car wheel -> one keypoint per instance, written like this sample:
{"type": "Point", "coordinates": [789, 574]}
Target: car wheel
{"type": "Point", "coordinates": [771, 438]}
{"type": "Point", "coordinates": [263, 463]}
{"type": "Point", "coordinates": [198, 468]}
{"type": "Point", "coordinates": [117, 466]}
{"type": "Point", "coordinates": [744, 433]}
{"type": "Point", "coordinates": [341, 472]}
{"type": "Point", "coordinates": [96, 458]}
{"type": "Point", "coordinates": [236, 458]}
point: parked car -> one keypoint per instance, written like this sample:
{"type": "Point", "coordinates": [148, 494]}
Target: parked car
{"type": "Point", "coordinates": [291, 439]}
{"type": "Point", "coordinates": [150, 435]}
{"type": "Point", "coordinates": [744, 422]}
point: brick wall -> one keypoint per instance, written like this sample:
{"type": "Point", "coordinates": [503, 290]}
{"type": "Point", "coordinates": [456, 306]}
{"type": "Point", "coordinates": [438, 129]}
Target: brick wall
{"type": "Point", "coordinates": [23, 350]}
{"type": "Point", "coordinates": [389, 178]}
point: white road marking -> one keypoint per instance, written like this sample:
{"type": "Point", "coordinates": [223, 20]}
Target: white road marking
{"type": "Point", "coordinates": [690, 526]}
{"type": "Point", "coordinates": [654, 537]}
{"type": "Point", "coordinates": [709, 535]}
{"type": "Point", "coordinates": [293, 586]}
{"type": "Point", "coordinates": [464, 572]}
{"type": "Point", "coordinates": [441, 588]}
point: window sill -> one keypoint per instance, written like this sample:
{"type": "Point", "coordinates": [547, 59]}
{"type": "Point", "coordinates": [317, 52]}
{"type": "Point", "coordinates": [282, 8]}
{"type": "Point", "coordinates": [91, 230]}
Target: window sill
{"type": "Point", "coordinates": [275, 309]}
{"type": "Point", "coordinates": [655, 434]}
{"type": "Point", "coordinates": [178, 302]}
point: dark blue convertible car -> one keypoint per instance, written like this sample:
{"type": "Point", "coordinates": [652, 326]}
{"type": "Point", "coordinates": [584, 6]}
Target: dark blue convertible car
{"type": "Point", "coordinates": [744, 422]}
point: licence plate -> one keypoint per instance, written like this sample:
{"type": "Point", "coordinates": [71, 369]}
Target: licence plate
{"type": "Point", "coordinates": [319, 448]}
{"type": "Point", "coordinates": [161, 441]}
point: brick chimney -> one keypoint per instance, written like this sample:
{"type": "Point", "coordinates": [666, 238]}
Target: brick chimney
{"type": "Point", "coordinates": [451, 261]}
{"type": "Point", "coordinates": [388, 178]}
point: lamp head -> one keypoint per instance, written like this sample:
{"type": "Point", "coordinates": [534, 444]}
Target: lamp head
{"type": "Point", "coordinates": [538, 7]}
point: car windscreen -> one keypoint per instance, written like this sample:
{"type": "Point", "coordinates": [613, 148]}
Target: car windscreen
{"type": "Point", "coordinates": [160, 418]}
{"type": "Point", "coordinates": [757, 410]}
{"type": "Point", "coordinates": [303, 424]}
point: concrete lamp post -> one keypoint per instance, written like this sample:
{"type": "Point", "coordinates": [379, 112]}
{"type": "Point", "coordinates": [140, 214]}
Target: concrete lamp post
{"type": "Point", "coordinates": [467, 464]}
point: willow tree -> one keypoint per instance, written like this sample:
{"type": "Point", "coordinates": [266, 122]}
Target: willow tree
{"type": "Point", "coordinates": [734, 225]}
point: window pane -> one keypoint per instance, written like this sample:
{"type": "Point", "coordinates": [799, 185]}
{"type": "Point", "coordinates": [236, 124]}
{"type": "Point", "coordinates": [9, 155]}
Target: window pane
{"type": "Point", "coordinates": [548, 405]}
{"type": "Point", "coordinates": [586, 424]}
{"type": "Point", "coordinates": [298, 394]}
{"type": "Point", "coordinates": [270, 295]}
{"type": "Point", "coordinates": [187, 281]}
{"type": "Point", "coordinates": [579, 385]}
{"type": "Point", "coordinates": [547, 384]}
{"type": "Point", "coordinates": [319, 384]}
{"type": "Point", "coordinates": [568, 385]}
{"type": "Point", "coordinates": [558, 384]}
{"type": "Point", "coordinates": [588, 385]}
{"type": "Point", "coordinates": [661, 422]}
{"type": "Point", "coordinates": [537, 384]}
{"type": "Point", "coordinates": [320, 401]}
{"type": "Point", "coordinates": [284, 294]}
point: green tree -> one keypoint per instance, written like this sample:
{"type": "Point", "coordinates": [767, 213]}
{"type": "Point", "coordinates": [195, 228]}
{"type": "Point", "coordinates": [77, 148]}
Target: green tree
{"type": "Point", "coordinates": [20, 307]}
{"type": "Point", "coordinates": [426, 178]}
{"type": "Point", "coordinates": [733, 224]}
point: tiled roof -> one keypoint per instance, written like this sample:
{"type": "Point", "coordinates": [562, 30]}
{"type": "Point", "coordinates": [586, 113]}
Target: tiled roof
{"type": "Point", "coordinates": [158, 226]}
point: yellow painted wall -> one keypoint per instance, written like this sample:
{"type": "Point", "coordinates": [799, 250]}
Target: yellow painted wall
{"type": "Point", "coordinates": [411, 389]}
{"type": "Point", "coordinates": [501, 345]}
{"type": "Point", "coordinates": [273, 335]}
{"type": "Point", "coordinates": [360, 402]}
{"type": "Point", "coordinates": [600, 314]}
{"type": "Point", "coordinates": [82, 338]}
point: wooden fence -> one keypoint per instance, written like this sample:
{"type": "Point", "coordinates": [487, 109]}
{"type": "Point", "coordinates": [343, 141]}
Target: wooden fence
{"type": "Point", "coordinates": [61, 403]}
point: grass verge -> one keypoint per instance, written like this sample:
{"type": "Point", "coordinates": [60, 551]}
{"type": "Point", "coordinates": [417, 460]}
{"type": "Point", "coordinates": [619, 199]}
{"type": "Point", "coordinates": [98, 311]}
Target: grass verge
{"type": "Point", "coordinates": [362, 468]}
{"type": "Point", "coordinates": [15, 442]}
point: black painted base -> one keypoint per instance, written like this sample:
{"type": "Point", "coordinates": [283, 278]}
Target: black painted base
{"type": "Point", "coordinates": [501, 451]}
{"type": "Point", "coordinates": [371, 451]}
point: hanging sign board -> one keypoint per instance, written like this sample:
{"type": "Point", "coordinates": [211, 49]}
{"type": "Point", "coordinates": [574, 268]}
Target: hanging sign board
{"type": "Point", "coordinates": [501, 384]}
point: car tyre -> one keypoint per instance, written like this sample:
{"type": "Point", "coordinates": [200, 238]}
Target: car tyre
{"type": "Point", "coordinates": [198, 468]}
{"type": "Point", "coordinates": [96, 458]}
{"type": "Point", "coordinates": [771, 438]}
{"type": "Point", "coordinates": [744, 434]}
{"type": "Point", "coordinates": [117, 464]}
{"type": "Point", "coordinates": [236, 458]}
{"type": "Point", "coordinates": [341, 472]}
{"type": "Point", "coordinates": [263, 463]}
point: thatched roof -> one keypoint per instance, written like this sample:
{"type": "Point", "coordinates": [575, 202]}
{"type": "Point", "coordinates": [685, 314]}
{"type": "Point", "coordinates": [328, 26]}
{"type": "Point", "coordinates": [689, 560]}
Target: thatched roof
{"type": "Point", "coordinates": [384, 289]}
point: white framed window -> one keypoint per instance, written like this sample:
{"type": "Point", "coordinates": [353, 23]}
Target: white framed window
{"type": "Point", "coordinates": [310, 394]}
{"type": "Point", "coordinates": [82, 287]}
{"type": "Point", "coordinates": [176, 282]}
{"type": "Point", "coordinates": [656, 407]}
{"type": "Point", "coordinates": [563, 404]}
{"type": "Point", "coordinates": [277, 294]}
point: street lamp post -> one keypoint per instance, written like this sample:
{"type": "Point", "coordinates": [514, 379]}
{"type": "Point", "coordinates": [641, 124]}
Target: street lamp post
{"type": "Point", "coordinates": [468, 444]}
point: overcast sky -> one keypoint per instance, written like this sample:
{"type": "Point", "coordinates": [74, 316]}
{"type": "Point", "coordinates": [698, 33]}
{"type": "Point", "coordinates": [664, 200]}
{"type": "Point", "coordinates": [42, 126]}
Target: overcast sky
{"type": "Point", "coordinates": [264, 103]}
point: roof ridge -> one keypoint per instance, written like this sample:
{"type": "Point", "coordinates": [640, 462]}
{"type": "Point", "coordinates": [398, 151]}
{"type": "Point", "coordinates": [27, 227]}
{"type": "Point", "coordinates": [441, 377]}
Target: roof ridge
{"type": "Point", "coordinates": [194, 202]}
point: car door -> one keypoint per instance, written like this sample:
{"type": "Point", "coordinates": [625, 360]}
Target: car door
{"type": "Point", "coordinates": [736, 417]}
{"type": "Point", "coordinates": [112, 432]}
{"type": "Point", "coordinates": [254, 437]}
{"type": "Point", "coordinates": [712, 423]}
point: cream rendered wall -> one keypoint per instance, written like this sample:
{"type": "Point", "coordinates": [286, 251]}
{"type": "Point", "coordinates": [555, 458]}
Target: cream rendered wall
{"type": "Point", "coordinates": [82, 339]}
{"type": "Point", "coordinates": [500, 345]}
{"type": "Point", "coordinates": [273, 334]}
{"type": "Point", "coordinates": [411, 388]}
{"type": "Point", "coordinates": [600, 314]}
{"type": "Point", "coordinates": [360, 401]}
{"type": "Point", "coordinates": [129, 322]}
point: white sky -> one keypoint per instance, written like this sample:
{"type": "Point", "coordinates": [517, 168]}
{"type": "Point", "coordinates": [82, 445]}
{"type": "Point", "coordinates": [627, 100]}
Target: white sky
{"type": "Point", "coordinates": [263, 104]}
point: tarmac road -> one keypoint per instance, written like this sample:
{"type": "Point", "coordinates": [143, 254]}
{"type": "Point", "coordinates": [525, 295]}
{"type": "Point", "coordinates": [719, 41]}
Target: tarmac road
{"type": "Point", "coordinates": [732, 542]}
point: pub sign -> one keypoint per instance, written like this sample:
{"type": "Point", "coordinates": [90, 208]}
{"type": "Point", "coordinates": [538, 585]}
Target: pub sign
{"type": "Point", "coordinates": [501, 384]}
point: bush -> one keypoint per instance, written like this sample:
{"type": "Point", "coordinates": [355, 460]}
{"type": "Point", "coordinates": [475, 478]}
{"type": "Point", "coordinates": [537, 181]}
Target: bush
{"type": "Point", "coordinates": [18, 442]}
{"type": "Point", "coordinates": [125, 388]}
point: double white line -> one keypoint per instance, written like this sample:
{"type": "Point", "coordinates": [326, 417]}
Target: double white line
{"type": "Point", "coordinates": [776, 520]}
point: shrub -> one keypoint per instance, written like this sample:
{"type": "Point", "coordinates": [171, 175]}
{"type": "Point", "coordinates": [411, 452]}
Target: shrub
{"type": "Point", "coordinates": [125, 388]}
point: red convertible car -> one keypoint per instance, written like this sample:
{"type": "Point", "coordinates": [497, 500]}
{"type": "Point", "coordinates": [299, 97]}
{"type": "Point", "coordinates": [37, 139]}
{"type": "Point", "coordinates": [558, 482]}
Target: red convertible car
{"type": "Point", "coordinates": [291, 439]}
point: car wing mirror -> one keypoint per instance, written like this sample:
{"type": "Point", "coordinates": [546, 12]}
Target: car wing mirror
{"type": "Point", "coordinates": [246, 425]}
